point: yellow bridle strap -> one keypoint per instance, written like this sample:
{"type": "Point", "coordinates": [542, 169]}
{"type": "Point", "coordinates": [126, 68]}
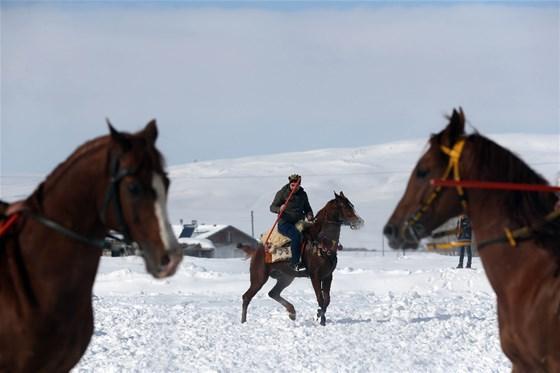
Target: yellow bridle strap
{"type": "Point", "coordinates": [454, 157]}
{"type": "Point", "coordinates": [510, 237]}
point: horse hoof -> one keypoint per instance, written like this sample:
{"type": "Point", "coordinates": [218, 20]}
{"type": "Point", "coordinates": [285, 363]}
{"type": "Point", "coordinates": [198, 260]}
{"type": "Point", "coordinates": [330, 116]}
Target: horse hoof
{"type": "Point", "coordinates": [323, 321]}
{"type": "Point", "coordinates": [292, 316]}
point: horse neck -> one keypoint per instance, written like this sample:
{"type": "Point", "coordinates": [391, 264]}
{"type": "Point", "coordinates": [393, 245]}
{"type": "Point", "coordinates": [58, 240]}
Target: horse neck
{"type": "Point", "coordinates": [326, 225]}
{"type": "Point", "coordinates": [489, 216]}
{"type": "Point", "coordinates": [69, 196]}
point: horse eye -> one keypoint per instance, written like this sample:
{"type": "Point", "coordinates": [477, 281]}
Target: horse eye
{"type": "Point", "coordinates": [421, 173]}
{"type": "Point", "coordinates": [134, 188]}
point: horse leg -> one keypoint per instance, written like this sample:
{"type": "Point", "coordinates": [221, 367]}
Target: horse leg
{"type": "Point", "coordinates": [326, 293]}
{"type": "Point", "coordinates": [258, 279]}
{"type": "Point", "coordinates": [283, 281]}
{"type": "Point", "coordinates": [316, 282]}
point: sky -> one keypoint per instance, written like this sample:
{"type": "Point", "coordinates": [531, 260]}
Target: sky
{"type": "Point", "coordinates": [227, 80]}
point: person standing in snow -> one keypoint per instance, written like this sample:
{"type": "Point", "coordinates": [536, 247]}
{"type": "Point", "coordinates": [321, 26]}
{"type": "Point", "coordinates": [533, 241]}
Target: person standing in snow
{"type": "Point", "coordinates": [464, 233]}
{"type": "Point", "coordinates": [294, 210]}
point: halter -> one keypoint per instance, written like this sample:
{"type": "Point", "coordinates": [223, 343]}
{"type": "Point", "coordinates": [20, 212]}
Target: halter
{"type": "Point", "coordinates": [513, 236]}
{"type": "Point", "coordinates": [454, 154]}
{"type": "Point", "coordinates": [510, 236]}
{"type": "Point", "coordinates": [112, 192]}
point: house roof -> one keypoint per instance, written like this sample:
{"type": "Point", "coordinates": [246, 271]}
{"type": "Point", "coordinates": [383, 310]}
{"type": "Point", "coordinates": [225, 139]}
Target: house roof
{"type": "Point", "coordinates": [204, 243]}
{"type": "Point", "coordinates": [207, 230]}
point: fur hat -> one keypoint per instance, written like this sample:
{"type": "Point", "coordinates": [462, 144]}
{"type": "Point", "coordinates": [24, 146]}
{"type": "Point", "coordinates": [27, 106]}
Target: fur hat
{"type": "Point", "coordinates": [294, 177]}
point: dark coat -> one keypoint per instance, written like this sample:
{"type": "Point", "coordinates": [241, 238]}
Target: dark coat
{"type": "Point", "coordinates": [296, 209]}
{"type": "Point", "coordinates": [464, 228]}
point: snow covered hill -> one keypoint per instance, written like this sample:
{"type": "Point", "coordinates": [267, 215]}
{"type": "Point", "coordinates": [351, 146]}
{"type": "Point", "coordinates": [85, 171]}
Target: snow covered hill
{"type": "Point", "coordinates": [373, 178]}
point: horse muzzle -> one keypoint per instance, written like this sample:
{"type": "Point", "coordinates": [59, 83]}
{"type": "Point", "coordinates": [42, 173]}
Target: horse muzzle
{"type": "Point", "coordinates": [405, 237]}
{"type": "Point", "coordinates": [357, 224]}
{"type": "Point", "coordinates": [164, 264]}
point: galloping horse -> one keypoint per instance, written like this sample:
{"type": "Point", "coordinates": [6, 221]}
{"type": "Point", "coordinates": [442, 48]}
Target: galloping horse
{"type": "Point", "coordinates": [319, 255]}
{"type": "Point", "coordinates": [49, 256]}
{"type": "Point", "coordinates": [518, 236]}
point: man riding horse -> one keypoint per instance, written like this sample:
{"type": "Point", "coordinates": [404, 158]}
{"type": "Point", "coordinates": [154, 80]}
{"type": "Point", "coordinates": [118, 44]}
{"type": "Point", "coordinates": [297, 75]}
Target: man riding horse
{"type": "Point", "coordinates": [291, 201]}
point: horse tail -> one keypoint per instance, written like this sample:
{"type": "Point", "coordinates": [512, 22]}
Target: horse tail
{"type": "Point", "coordinates": [250, 251]}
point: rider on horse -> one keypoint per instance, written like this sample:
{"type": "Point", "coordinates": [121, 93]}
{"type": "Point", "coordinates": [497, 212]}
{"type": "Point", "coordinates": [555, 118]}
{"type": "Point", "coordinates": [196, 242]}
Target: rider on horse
{"type": "Point", "coordinates": [293, 210]}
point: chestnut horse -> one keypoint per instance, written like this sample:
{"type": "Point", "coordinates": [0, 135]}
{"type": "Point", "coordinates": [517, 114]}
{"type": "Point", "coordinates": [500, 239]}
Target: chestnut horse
{"type": "Point", "coordinates": [49, 257]}
{"type": "Point", "coordinates": [518, 236]}
{"type": "Point", "coordinates": [319, 255]}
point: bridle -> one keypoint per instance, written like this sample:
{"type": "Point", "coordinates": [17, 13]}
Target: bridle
{"type": "Point", "coordinates": [112, 193]}
{"type": "Point", "coordinates": [510, 236]}
{"type": "Point", "coordinates": [411, 225]}
{"type": "Point", "coordinates": [332, 249]}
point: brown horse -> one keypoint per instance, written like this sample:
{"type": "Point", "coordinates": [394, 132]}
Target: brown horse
{"type": "Point", "coordinates": [49, 258]}
{"type": "Point", "coordinates": [518, 236]}
{"type": "Point", "coordinates": [319, 255]}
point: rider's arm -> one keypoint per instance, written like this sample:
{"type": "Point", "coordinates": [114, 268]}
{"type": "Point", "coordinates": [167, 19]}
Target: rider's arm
{"type": "Point", "coordinates": [277, 202]}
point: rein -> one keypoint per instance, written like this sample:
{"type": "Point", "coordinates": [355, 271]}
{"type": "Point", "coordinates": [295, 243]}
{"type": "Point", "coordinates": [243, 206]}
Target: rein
{"type": "Point", "coordinates": [321, 239]}
{"type": "Point", "coordinates": [520, 234]}
{"type": "Point", "coordinates": [475, 184]}
{"type": "Point", "coordinates": [111, 193]}
{"type": "Point", "coordinates": [510, 236]}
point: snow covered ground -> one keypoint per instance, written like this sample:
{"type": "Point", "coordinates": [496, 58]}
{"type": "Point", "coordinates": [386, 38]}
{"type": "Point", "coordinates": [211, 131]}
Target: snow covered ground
{"type": "Point", "coordinates": [391, 313]}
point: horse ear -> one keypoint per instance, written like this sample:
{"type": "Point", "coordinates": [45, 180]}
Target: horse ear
{"type": "Point", "coordinates": [341, 194]}
{"type": "Point", "coordinates": [118, 137]}
{"type": "Point", "coordinates": [151, 132]}
{"type": "Point", "coordinates": [335, 195]}
{"type": "Point", "coordinates": [455, 129]}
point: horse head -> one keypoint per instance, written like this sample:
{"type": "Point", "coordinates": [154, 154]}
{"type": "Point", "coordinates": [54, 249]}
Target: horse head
{"type": "Point", "coordinates": [343, 211]}
{"type": "Point", "coordinates": [135, 203]}
{"type": "Point", "coordinates": [423, 207]}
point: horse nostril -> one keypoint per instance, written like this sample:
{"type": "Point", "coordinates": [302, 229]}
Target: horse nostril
{"type": "Point", "coordinates": [165, 260]}
{"type": "Point", "coordinates": [389, 231]}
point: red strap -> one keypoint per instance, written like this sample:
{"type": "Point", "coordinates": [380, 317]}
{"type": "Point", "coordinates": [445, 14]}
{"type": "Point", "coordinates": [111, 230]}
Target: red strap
{"type": "Point", "coordinates": [494, 185]}
{"type": "Point", "coordinates": [5, 226]}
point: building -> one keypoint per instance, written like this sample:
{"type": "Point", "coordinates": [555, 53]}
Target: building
{"type": "Point", "coordinates": [225, 239]}
{"type": "Point", "coordinates": [212, 240]}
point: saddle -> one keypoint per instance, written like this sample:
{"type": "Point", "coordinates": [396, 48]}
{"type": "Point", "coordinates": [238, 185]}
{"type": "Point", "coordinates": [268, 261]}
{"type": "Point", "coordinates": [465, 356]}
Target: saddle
{"type": "Point", "coordinates": [278, 247]}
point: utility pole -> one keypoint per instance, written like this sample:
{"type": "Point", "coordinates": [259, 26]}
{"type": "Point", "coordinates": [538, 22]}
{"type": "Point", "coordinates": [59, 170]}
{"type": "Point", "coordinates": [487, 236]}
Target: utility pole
{"type": "Point", "coordinates": [252, 224]}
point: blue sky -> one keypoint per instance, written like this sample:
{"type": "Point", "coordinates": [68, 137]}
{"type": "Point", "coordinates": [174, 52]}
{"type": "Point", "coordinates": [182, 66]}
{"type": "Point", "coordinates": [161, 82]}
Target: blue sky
{"type": "Point", "coordinates": [237, 79]}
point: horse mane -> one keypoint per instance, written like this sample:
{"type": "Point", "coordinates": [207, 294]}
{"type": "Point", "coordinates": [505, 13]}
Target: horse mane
{"type": "Point", "coordinates": [76, 156]}
{"type": "Point", "coordinates": [313, 229]}
{"type": "Point", "coordinates": [322, 213]}
{"type": "Point", "coordinates": [155, 158]}
{"type": "Point", "coordinates": [493, 162]}
{"type": "Point", "coordinates": [62, 167]}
